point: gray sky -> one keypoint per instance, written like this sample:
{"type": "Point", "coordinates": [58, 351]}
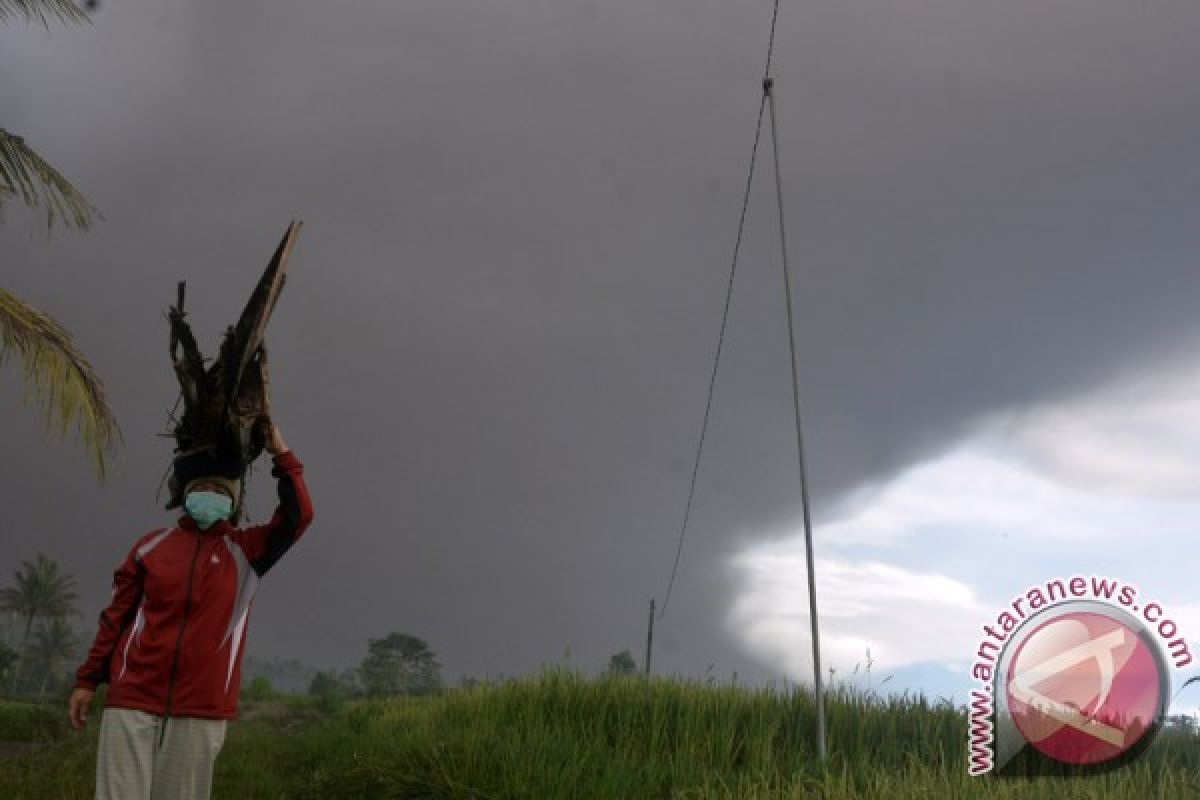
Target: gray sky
{"type": "Point", "coordinates": [493, 349]}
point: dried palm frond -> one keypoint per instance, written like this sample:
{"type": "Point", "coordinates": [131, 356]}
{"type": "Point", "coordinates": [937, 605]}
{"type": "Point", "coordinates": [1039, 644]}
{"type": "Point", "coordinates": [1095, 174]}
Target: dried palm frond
{"type": "Point", "coordinates": [225, 405]}
{"type": "Point", "coordinates": [60, 376]}
{"type": "Point", "coordinates": [42, 11]}
{"type": "Point", "coordinates": [24, 174]}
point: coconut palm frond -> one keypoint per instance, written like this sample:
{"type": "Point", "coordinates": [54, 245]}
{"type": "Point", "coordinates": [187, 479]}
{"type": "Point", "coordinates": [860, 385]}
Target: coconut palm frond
{"type": "Point", "coordinates": [225, 403]}
{"type": "Point", "coordinates": [61, 377]}
{"type": "Point", "coordinates": [25, 174]}
{"type": "Point", "coordinates": [54, 640]}
{"type": "Point", "coordinates": [42, 11]}
{"type": "Point", "coordinates": [41, 588]}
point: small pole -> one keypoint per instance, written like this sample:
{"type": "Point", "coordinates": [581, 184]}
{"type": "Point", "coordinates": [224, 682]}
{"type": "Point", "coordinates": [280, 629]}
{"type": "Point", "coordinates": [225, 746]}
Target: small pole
{"type": "Point", "coordinates": [650, 636]}
{"type": "Point", "coordinates": [768, 86]}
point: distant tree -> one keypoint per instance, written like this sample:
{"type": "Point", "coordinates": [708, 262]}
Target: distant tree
{"type": "Point", "coordinates": [259, 690]}
{"type": "Point", "coordinates": [351, 678]}
{"type": "Point", "coordinates": [8, 658]}
{"type": "Point", "coordinates": [329, 692]}
{"type": "Point", "coordinates": [622, 663]}
{"type": "Point", "coordinates": [54, 367]}
{"type": "Point", "coordinates": [41, 590]}
{"type": "Point", "coordinates": [286, 675]}
{"type": "Point", "coordinates": [1183, 722]}
{"type": "Point", "coordinates": [323, 682]}
{"type": "Point", "coordinates": [54, 644]}
{"type": "Point", "coordinates": [399, 664]}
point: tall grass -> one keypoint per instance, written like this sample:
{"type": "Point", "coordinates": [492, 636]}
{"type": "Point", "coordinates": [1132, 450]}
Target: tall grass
{"type": "Point", "coordinates": [560, 735]}
{"type": "Point", "coordinates": [30, 722]}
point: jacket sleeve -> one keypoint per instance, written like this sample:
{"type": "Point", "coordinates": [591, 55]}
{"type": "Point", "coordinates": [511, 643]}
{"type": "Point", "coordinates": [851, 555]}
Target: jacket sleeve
{"type": "Point", "coordinates": [126, 595]}
{"type": "Point", "coordinates": [266, 544]}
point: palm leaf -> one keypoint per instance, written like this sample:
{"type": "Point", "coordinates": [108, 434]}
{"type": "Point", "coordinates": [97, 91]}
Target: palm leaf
{"type": "Point", "coordinates": [224, 404]}
{"type": "Point", "coordinates": [61, 377]}
{"type": "Point", "coordinates": [25, 174]}
{"type": "Point", "coordinates": [41, 589]}
{"type": "Point", "coordinates": [42, 11]}
{"type": "Point", "coordinates": [252, 325]}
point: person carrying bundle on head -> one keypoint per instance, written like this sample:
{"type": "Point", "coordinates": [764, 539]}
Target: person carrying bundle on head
{"type": "Point", "coordinates": [170, 642]}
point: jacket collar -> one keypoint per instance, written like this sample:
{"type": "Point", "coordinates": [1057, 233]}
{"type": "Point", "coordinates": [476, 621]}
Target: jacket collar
{"type": "Point", "coordinates": [219, 528]}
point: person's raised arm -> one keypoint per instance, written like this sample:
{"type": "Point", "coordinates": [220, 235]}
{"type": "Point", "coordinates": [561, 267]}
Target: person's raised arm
{"type": "Point", "coordinates": [266, 544]}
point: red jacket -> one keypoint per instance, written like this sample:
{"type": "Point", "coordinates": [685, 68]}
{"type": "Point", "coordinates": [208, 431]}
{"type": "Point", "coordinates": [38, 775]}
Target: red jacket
{"type": "Point", "coordinates": [171, 640]}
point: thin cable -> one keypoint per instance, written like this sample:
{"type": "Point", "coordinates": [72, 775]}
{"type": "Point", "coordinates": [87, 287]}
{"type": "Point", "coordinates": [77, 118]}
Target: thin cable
{"type": "Point", "coordinates": [771, 41]}
{"type": "Point", "coordinates": [712, 379]}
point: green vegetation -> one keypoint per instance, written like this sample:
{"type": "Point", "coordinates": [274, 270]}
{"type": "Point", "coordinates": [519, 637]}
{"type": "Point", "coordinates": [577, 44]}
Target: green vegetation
{"type": "Point", "coordinates": [622, 663]}
{"type": "Point", "coordinates": [55, 369]}
{"type": "Point", "coordinates": [561, 735]}
{"type": "Point", "coordinates": [31, 722]}
{"type": "Point", "coordinates": [259, 690]}
{"type": "Point", "coordinates": [399, 664]}
{"type": "Point", "coordinates": [329, 692]}
{"type": "Point", "coordinates": [285, 674]}
{"type": "Point", "coordinates": [44, 595]}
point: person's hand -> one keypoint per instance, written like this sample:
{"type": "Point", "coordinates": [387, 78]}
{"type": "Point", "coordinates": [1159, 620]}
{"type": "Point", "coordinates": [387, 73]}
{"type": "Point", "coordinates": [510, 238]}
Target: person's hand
{"type": "Point", "coordinates": [275, 443]}
{"type": "Point", "coordinates": [77, 707]}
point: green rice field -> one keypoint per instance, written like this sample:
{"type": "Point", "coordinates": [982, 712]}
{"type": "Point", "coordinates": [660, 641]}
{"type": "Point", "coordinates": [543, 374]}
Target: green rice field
{"type": "Point", "coordinates": [562, 735]}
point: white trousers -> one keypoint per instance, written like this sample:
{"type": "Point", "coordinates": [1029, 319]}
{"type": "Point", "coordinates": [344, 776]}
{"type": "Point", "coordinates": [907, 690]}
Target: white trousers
{"type": "Point", "coordinates": [140, 760]}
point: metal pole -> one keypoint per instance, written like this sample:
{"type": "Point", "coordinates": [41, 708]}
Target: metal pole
{"type": "Point", "coordinates": [650, 636]}
{"type": "Point", "coordinates": [768, 86]}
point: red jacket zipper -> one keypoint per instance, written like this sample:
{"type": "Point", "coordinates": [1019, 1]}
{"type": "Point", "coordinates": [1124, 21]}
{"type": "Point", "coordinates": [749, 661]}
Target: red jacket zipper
{"type": "Point", "coordinates": [187, 607]}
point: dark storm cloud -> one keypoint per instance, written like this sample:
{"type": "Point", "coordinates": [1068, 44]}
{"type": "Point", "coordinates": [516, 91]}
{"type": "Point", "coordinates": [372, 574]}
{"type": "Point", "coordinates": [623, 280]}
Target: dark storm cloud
{"type": "Point", "coordinates": [494, 346]}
